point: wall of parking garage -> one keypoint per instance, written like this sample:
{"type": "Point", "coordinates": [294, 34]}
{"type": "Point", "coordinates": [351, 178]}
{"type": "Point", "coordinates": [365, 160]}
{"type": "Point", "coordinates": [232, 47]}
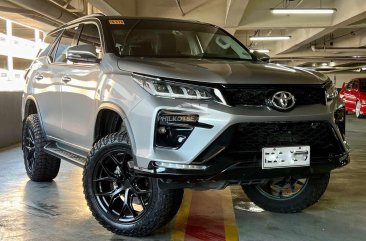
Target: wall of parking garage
{"type": "Point", "coordinates": [343, 77]}
{"type": "Point", "coordinates": [10, 118]}
{"type": "Point", "coordinates": [18, 46]}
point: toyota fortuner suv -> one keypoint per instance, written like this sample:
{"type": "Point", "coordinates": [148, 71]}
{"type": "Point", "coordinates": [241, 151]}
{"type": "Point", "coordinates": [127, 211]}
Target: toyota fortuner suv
{"type": "Point", "coordinates": [150, 106]}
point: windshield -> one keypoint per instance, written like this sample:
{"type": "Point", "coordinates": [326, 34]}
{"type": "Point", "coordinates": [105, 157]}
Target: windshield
{"type": "Point", "coordinates": [363, 85]}
{"type": "Point", "coordinates": [173, 39]}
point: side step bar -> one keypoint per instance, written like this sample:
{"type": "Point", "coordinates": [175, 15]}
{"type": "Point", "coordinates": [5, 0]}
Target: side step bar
{"type": "Point", "coordinates": [54, 150]}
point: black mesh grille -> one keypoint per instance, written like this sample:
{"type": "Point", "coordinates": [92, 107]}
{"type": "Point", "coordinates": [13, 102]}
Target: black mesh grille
{"type": "Point", "coordinates": [258, 94]}
{"type": "Point", "coordinates": [244, 142]}
{"type": "Point", "coordinates": [252, 137]}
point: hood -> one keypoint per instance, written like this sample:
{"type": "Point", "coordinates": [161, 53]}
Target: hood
{"type": "Point", "coordinates": [220, 71]}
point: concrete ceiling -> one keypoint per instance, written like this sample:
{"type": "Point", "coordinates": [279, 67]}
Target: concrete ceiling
{"type": "Point", "coordinates": [336, 40]}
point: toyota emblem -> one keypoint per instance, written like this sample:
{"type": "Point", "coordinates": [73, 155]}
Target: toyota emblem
{"type": "Point", "coordinates": [283, 100]}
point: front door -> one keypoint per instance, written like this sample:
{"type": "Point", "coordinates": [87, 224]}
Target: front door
{"type": "Point", "coordinates": [78, 94]}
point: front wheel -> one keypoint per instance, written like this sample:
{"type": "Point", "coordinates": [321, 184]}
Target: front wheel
{"type": "Point", "coordinates": [288, 194]}
{"type": "Point", "coordinates": [122, 201]}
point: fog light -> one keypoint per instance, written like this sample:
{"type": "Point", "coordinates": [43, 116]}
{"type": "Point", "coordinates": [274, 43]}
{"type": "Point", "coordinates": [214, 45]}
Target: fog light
{"type": "Point", "coordinates": [173, 128]}
{"type": "Point", "coordinates": [339, 115]}
{"type": "Point", "coordinates": [162, 130]}
{"type": "Point", "coordinates": [340, 119]}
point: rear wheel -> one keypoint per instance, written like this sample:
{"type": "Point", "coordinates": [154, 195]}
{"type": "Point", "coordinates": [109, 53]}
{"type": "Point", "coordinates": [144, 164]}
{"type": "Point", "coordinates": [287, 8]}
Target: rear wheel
{"type": "Point", "coordinates": [358, 110]}
{"type": "Point", "coordinates": [122, 201]}
{"type": "Point", "coordinates": [288, 195]}
{"type": "Point", "coordinates": [39, 165]}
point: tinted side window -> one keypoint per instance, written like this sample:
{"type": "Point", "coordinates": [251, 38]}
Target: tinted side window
{"type": "Point", "coordinates": [67, 40]}
{"type": "Point", "coordinates": [355, 85]}
{"type": "Point", "coordinates": [349, 85]}
{"type": "Point", "coordinates": [90, 35]}
{"type": "Point", "coordinates": [48, 43]}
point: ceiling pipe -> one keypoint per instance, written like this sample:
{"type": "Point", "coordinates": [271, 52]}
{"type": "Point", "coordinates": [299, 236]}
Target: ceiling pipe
{"type": "Point", "coordinates": [47, 9]}
{"type": "Point", "coordinates": [179, 4]}
{"type": "Point", "coordinates": [318, 58]}
{"type": "Point", "coordinates": [337, 49]}
{"type": "Point", "coordinates": [30, 14]}
{"type": "Point", "coordinates": [338, 69]}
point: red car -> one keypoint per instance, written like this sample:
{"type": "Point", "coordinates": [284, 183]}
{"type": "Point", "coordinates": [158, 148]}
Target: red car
{"type": "Point", "coordinates": [353, 95]}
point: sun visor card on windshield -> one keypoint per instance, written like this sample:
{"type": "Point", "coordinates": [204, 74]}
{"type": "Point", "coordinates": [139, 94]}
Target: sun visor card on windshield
{"type": "Point", "coordinates": [116, 21]}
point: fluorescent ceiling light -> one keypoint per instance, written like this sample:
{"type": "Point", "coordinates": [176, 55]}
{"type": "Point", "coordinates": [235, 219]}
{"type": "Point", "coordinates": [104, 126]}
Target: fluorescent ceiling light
{"type": "Point", "coordinates": [303, 10]}
{"type": "Point", "coordinates": [269, 38]}
{"type": "Point", "coordinates": [260, 50]}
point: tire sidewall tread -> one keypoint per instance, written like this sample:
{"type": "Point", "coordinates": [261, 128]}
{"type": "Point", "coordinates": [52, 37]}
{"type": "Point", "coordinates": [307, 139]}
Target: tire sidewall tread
{"type": "Point", "coordinates": [311, 194]}
{"type": "Point", "coordinates": [45, 167]}
{"type": "Point", "coordinates": [164, 204]}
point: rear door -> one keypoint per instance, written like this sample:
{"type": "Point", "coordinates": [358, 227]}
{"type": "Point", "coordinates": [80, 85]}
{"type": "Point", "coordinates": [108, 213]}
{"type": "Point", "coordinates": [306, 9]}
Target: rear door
{"type": "Point", "coordinates": [78, 92]}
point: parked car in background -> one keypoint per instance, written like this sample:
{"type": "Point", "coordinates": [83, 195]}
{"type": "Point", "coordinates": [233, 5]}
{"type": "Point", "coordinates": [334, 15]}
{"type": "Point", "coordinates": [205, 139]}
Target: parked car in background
{"type": "Point", "coordinates": [353, 95]}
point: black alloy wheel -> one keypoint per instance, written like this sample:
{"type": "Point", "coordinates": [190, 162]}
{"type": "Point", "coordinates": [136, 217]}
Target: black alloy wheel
{"type": "Point", "coordinates": [288, 194]}
{"type": "Point", "coordinates": [283, 188]}
{"type": "Point", "coordinates": [119, 192]}
{"type": "Point", "coordinates": [40, 166]}
{"type": "Point", "coordinates": [29, 149]}
{"type": "Point", "coordinates": [123, 201]}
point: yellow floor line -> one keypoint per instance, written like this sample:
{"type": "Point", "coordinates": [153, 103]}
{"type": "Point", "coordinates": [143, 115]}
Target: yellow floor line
{"type": "Point", "coordinates": [231, 231]}
{"type": "Point", "coordinates": [179, 229]}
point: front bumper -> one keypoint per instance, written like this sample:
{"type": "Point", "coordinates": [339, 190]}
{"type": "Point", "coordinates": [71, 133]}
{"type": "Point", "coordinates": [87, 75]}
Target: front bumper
{"type": "Point", "coordinates": [235, 156]}
{"type": "Point", "coordinates": [230, 171]}
{"type": "Point", "coordinates": [219, 116]}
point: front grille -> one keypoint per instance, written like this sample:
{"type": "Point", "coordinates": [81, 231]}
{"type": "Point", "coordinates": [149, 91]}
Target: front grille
{"type": "Point", "coordinates": [250, 138]}
{"type": "Point", "coordinates": [258, 94]}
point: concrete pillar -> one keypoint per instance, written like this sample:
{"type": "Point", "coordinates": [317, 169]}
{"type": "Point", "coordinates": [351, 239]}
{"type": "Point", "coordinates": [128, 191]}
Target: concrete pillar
{"type": "Point", "coordinates": [9, 33]}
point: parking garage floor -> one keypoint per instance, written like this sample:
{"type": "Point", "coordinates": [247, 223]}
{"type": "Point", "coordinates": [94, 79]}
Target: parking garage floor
{"type": "Point", "coordinates": [58, 211]}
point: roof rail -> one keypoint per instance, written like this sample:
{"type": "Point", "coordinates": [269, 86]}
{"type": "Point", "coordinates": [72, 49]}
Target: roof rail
{"type": "Point", "coordinates": [88, 16]}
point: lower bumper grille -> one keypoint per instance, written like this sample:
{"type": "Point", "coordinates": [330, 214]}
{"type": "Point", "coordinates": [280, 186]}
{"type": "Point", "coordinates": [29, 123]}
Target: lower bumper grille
{"type": "Point", "coordinates": [252, 137]}
{"type": "Point", "coordinates": [244, 141]}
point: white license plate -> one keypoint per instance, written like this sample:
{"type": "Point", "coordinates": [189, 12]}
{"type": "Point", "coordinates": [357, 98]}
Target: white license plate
{"type": "Point", "coordinates": [280, 157]}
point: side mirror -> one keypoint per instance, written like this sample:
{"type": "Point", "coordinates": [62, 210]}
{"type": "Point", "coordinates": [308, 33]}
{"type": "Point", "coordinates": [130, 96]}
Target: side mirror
{"type": "Point", "coordinates": [85, 53]}
{"type": "Point", "coordinates": [261, 56]}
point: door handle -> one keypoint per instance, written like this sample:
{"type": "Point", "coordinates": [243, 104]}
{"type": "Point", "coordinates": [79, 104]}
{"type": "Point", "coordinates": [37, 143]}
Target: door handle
{"type": "Point", "coordinates": [66, 79]}
{"type": "Point", "coordinates": [39, 77]}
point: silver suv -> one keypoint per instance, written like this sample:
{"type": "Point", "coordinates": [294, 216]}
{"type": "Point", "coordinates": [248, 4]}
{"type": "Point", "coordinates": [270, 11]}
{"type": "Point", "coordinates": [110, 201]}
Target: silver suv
{"type": "Point", "coordinates": [149, 107]}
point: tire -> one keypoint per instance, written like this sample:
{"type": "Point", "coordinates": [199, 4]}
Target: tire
{"type": "Point", "coordinates": [358, 109]}
{"type": "Point", "coordinates": [40, 166]}
{"type": "Point", "coordinates": [112, 191]}
{"type": "Point", "coordinates": [313, 188]}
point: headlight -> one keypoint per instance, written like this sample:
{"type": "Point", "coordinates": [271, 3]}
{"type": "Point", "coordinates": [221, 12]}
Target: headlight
{"type": "Point", "coordinates": [175, 90]}
{"type": "Point", "coordinates": [331, 91]}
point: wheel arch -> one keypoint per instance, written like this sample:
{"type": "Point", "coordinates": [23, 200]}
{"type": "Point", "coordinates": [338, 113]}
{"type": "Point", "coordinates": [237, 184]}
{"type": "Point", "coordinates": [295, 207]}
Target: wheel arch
{"type": "Point", "coordinates": [30, 107]}
{"type": "Point", "coordinates": [106, 109]}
